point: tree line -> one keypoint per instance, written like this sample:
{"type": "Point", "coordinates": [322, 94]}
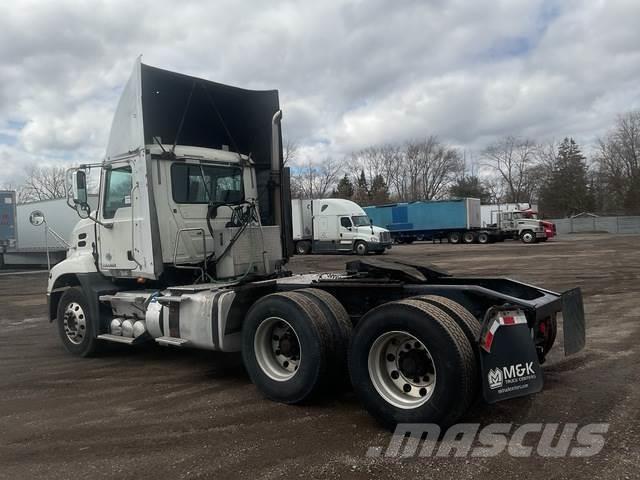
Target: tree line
{"type": "Point", "coordinates": [557, 176]}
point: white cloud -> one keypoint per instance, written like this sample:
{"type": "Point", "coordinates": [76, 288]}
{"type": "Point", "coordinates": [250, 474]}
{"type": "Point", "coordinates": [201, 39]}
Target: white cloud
{"type": "Point", "coordinates": [349, 73]}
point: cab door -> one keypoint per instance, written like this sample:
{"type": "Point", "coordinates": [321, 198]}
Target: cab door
{"type": "Point", "coordinates": [115, 238]}
{"type": "Point", "coordinates": [347, 233]}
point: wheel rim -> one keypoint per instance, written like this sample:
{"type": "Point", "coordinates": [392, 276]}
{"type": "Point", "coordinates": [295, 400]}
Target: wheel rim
{"type": "Point", "coordinates": [402, 369]}
{"type": "Point", "coordinates": [454, 238]}
{"type": "Point", "coordinates": [527, 237]}
{"type": "Point", "coordinates": [468, 238]}
{"type": "Point", "coordinates": [301, 249]}
{"type": "Point", "coordinates": [482, 238]}
{"type": "Point", "coordinates": [361, 249]}
{"type": "Point", "coordinates": [75, 323]}
{"type": "Point", "coordinates": [277, 349]}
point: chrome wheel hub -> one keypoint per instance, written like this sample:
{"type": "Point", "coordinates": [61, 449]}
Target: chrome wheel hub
{"type": "Point", "coordinates": [401, 369]}
{"type": "Point", "coordinates": [74, 323]}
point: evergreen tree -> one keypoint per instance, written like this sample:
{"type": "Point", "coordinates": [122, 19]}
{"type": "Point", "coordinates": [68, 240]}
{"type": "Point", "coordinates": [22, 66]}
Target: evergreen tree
{"type": "Point", "coordinates": [361, 196]}
{"type": "Point", "coordinates": [344, 189]}
{"type": "Point", "coordinates": [566, 191]}
{"type": "Point", "coordinates": [469, 186]}
{"type": "Point", "coordinates": [379, 193]}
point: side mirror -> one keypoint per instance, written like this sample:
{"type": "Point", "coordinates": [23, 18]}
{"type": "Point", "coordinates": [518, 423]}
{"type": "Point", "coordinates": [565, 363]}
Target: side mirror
{"type": "Point", "coordinates": [79, 187]}
{"type": "Point", "coordinates": [36, 218]}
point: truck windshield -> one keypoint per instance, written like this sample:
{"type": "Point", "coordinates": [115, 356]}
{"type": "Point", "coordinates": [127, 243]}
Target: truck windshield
{"type": "Point", "coordinates": [361, 221]}
{"type": "Point", "coordinates": [192, 184]}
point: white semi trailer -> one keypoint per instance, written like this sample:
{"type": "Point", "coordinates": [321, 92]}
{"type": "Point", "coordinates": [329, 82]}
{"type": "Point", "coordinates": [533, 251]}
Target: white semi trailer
{"type": "Point", "coordinates": [189, 245]}
{"type": "Point", "coordinates": [41, 244]}
{"type": "Point", "coordinates": [333, 225]}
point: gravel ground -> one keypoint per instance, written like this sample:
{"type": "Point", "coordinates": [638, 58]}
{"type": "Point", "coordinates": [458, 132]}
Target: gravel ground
{"type": "Point", "coordinates": [169, 413]}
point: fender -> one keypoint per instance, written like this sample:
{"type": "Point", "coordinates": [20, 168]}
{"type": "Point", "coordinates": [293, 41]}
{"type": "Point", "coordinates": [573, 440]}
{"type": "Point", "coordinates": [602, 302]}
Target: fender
{"type": "Point", "coordinates": [80, 270]}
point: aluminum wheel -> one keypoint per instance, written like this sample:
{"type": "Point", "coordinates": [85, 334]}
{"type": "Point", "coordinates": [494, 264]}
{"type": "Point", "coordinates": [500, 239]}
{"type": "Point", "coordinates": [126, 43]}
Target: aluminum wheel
{"type": "Point", "coordinates": [361, 248]}
{"type": "Point", "coordinates": [277, 349]}
{"type": "Point", "coordinates": [528, 237]}
{"type": "Point", "coordinates": [75, 323]}
{"type": "Point", "coordinates": [401, 369]}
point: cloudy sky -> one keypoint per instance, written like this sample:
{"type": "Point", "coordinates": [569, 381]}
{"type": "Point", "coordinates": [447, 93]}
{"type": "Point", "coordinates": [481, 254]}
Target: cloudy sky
{"type": "Point", "coordinates": [350, 74]}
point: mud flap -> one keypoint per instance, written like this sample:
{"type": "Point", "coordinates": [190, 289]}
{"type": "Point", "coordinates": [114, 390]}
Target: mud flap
{"type": "Point", "coordinates": [508, 359]}
{"type": "Point", "coordinates": [573, 323]}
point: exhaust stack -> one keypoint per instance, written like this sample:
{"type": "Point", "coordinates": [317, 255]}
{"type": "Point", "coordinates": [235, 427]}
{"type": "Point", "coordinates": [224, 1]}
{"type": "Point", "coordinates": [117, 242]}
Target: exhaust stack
{"type": "Point", "coordinates": [276, 179]}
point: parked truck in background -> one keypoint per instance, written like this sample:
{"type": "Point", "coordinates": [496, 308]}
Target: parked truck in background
{"type": "Point", "coordinates": [458, 221]}
{"type": "Point", "coordinates": [189, 246]}
{"type": "Point", "coordinates": [503, 215]}
{"type": "Point", "coordinates": [334, 225]}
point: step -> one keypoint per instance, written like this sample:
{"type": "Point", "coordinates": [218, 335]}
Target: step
{"type": "Point", "coordinates": [173, 341]}
{"type": "Point", "coordinates": [167, 299]}
{"type": "Point", "coordinates": [118, 338]}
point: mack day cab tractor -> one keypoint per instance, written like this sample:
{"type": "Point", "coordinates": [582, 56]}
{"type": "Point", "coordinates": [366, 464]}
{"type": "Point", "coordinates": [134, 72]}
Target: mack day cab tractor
{"type": "Point", "coordinates": [188, 248]}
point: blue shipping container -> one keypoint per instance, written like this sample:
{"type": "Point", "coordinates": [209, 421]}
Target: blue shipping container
{"type": "Point", "coordinates": [427, 217]}
{"type": "Point", "coordinates": [7, 218]}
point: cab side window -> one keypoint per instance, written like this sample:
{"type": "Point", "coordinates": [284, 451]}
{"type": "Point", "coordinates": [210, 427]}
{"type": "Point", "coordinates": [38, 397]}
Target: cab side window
{"type": "Point", "coordinates": [117, 191]}
{"type": "Point", "coordinates": [345, 222]}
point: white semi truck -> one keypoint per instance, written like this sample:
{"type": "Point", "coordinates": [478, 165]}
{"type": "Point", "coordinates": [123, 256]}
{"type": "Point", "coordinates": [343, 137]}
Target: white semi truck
{"type": "Point", "coordinates": [189, 246]}
{"type": "Point", "coordinates": [333, 225]}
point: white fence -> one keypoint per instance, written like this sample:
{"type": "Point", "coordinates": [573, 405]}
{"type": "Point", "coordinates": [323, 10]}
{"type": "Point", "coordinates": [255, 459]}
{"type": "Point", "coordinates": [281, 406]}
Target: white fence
{"type": "Point", "coordinates": [598, 224]}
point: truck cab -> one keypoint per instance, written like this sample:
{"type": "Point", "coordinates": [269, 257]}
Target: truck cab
{"type": "Point", "coordinates": [522, 224]}
{"type": "Point", "coordinates": [334, 225]}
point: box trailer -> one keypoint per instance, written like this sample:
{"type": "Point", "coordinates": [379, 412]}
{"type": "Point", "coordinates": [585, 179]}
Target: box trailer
{"type": "Point", "coordinates": [31, 242]}
{"type": "Point", "coordinates": [458, 220]}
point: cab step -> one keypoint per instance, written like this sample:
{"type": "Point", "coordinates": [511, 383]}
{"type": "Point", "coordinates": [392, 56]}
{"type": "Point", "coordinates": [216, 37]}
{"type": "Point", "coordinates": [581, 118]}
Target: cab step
{"type": "Point", "coordinates": [173, 341]}
{"type": "Point", "coordinates": [118, 338]}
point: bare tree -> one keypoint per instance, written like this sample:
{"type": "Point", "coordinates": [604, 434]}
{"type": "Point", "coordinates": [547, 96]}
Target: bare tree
{"type": "Point", "coordinates": [290, 150]}
{"type": "Point", "coordinates": [436, 167]}
{"type": "Point", "coordinates": [619, 163]}
{"type": "Point", "coordinates": [316, 181]}
{"type": "Point", "coordinates": [43, 183]}
{"type": "Point", "coordinates": [512, 158]}
{"type": "Point", "coordinates": [421, 169]}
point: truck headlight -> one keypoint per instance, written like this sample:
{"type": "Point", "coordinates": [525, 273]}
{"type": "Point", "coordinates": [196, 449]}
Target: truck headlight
{"type": "Point", "coordinates": [374, 239]}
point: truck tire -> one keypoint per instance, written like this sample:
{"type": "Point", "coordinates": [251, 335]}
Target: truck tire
{"type": "Point", "coordinates": [483, 238]}
{"type": "Point", "coordinates": [468, 237]}
{"type": "Point", "coordinates": [77, 330]}
{"type": "Point", "coordinates": [469, 324]}
{"type": "Point", "coordinates": [361, 248]}
{"type": "Point", "coordinates": [454, 237]}
{"type": "Point", "coordinates": [286, 347]}
{"type": "Point", "coordinates": [303, 247]}
{"type": "Point", "coordinates": [527, 236]}
{"type": "Point", "coordinates": [411, 363]}
{"type": "Point", "coordinates": [341, 329]}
